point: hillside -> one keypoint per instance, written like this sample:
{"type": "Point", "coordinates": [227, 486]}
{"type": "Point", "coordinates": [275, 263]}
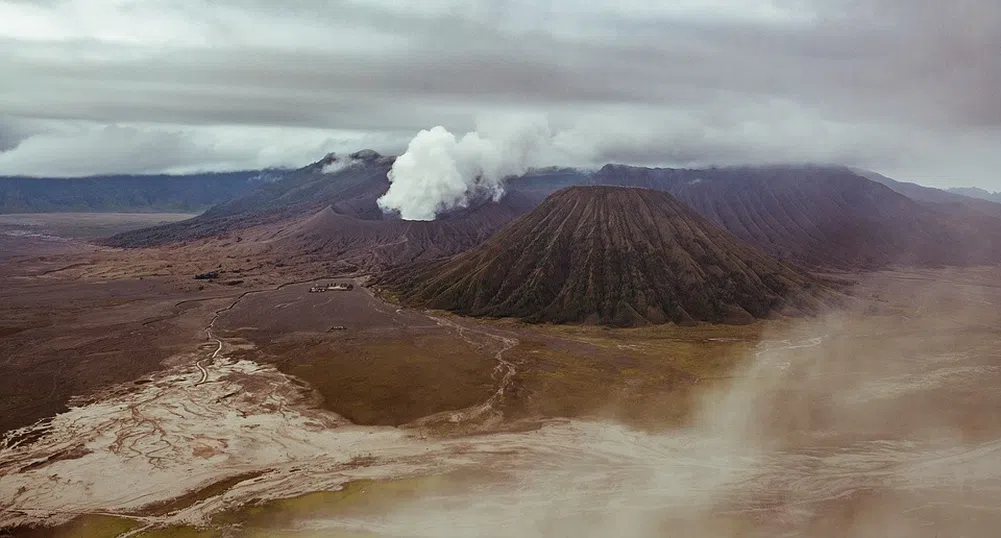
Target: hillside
{"type": "Point", "coordinates": [190, 193]}
{"type": "Point", "coordinates": [299, 194]}
{"type": "Point", "coordinates": [352, 245]}
{"type": "Point", "coordinates": [937, 197]}
{"type": "Point", "coordinates": [824, 217]}
{"type": "Point", "coordinates": [820, 217]}
{"type": "Point", "coordinates": [329, 208]}
{"type": "Point", "coordinates": [617, 256]}
{"type": "Point", "coordinates": [976, 192]}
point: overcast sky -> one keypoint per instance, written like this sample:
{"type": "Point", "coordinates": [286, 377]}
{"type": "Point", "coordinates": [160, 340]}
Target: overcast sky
{"type": "Point", "coordinates": [909, 88]}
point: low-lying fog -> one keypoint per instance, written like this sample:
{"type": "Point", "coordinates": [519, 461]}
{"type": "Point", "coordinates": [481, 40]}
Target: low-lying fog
{"type": "Point", "coordinates": [814, 465]}
{"type": "Point", "coordinates": [842, 427]}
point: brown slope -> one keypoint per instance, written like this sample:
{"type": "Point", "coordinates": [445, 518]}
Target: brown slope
{"type": "Point", "coordinates": [297, 194]}
{"type": "Point", "coordinates": [611, 255]}
{"type": "Point", "coordinates": [352, 244]}
{"type": "Point", "coordinates": [352, 190]}
{"type": "Point", "coordinates": [946, 200]}
{"type": "Point", "coordinates": [825, 217]}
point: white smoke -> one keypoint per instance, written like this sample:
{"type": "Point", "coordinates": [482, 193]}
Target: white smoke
{"type": "Point", "coordinates": [439, 171]}
{"type": "Point", "coordinates": [336, 164]}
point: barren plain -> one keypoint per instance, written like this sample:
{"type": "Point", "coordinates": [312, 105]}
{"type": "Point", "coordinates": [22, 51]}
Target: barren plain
{"type": "Point", "coordinates": [138, 401]}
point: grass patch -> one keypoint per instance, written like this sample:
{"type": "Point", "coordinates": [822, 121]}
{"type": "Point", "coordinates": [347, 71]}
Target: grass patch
{"type": "Point", "coordinates": [181, 532]}
{"type": "Point", "coordinates": [356, 499]}
{"type": "Point", "coordinates": [646, 377]}
{"type": "Point", "coordinates": [193, 497]}
{"type": "Point", "coordinates": [89, 526]}
{"type": "Point", "coordinates": [387, 381]}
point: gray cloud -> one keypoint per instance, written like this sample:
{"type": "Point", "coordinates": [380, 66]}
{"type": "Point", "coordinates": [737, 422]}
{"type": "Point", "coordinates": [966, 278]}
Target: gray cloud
{"type": "Point", "coordinates": [70, 149]}
{"type": "Point", "coordinates": [903, 86]}
{"type": "Point", "coordinates": [13, 131]}
{"type": "Point", "coordinates": [9, 139]}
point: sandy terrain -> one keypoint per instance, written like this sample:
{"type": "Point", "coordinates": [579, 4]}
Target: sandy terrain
{"type": "Point", "coordinates": [294, 309]}
{"type": "Point", "coordinates": [187, 407]}
{"type": "Point", "coordinates": [35, 234]}
{"type": "Point", "coordinates": [85, 225]}
{"type": "Point", "coordinates": [743, 465]}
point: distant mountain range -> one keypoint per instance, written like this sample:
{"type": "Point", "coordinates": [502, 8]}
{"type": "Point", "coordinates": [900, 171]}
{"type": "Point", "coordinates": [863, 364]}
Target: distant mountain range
{"type": "Point", "coordinates": [826, 217]}
{"type": "Point", "coordinates": [974, 192]}
{"type": "Point", "coordinates": [816, 216]}
{"type": "Point", "coordinates": [190, 193]}
{"type": "Point", "coordinates": [931, 195]}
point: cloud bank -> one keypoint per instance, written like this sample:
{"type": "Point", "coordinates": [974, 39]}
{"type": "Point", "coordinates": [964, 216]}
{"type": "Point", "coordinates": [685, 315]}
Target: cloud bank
{"type": "Point", "coordinates": [905, 87]}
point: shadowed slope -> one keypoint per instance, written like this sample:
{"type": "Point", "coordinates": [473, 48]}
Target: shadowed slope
{"type": "Point", "coordinates": [328, 209]}
{"type": "Point", "coordinates": [355, 245]}
{"type": "Point", "coordinates": [946, 200]}
{"type": "Point", "coordinates": [620, 256]}
{"type": "Point", "coordinates": [361, 178]}
{"type": "Point", "coordinates": [819, 216]}
{"type": "Point", "coordinates": [825, 217]}
{"type": "Point", "coordinates": [126, 193]}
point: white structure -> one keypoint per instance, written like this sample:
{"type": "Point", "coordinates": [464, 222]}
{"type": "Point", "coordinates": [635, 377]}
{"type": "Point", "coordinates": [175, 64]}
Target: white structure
{"type": "Point", "coordinates": [333, 286]}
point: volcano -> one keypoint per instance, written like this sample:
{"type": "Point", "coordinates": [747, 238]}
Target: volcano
{"type": "Point", "coordinates": [615, 256]}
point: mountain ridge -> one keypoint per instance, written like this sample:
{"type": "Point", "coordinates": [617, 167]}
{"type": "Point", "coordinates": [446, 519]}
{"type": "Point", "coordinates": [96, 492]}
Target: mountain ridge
{"type": "Point", "coordinates": [977, 192]}
{"type": "Point", "coordinates": [820, 217]}
{"type": "Point", "coordinates": [825, 217]}
{"type": "Point", "coordinates": [611, 255]}
{"type": "Point", "coordinates": [187, 193]}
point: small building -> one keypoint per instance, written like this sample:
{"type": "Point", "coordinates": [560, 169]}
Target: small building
{"type": "Point", "coordinates": [332, 286]}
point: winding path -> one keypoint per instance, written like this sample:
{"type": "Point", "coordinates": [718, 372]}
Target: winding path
{"type": "Point", "coordinates": [504, 371]}
{"type": "Point", "coordinates": [218, 349]}
{"type": "Point", "coordinates": [208, 329]}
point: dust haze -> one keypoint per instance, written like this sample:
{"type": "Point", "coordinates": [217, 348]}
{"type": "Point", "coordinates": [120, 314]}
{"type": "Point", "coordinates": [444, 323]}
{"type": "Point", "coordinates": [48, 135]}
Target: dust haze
{"type": "Point", "coordinates": [845, 426]}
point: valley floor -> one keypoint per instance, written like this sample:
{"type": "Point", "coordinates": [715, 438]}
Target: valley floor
{"type": "Point", "coordinates": [167, 406]}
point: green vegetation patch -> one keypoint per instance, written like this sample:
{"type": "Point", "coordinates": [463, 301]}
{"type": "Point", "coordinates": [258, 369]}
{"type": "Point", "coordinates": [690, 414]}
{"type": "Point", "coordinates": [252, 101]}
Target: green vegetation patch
{"type": "Point", "coordinates": [88, 526]}
{"type": "Point", "coordinates": [189, 499]}
{"type": "Point", "coordinates": [356, 499]}
{"type": "Point", "coordinates": [646, 377]}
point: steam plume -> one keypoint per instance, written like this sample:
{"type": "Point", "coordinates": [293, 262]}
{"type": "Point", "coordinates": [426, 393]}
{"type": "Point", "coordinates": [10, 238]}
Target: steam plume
{"type": "Point", "coordinates": [335, 163]}
{"type": "Point", "coordinates": [439, 171]}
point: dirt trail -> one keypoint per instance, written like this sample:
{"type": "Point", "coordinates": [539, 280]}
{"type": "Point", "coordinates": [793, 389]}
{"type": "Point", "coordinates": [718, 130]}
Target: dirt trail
{"type": "Point", "coordinates": [215, 317]}
{"type": "Point", "coordinates": [503, 374]}
{"type": "Point", "coordinates": [213, 338]}
{"type": "Point", "coordinates": [215, 355]}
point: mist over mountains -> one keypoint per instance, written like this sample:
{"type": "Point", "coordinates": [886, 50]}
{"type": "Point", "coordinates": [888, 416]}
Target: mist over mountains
{"type": "Point", "coordinates": [190, 193]}
{"type": "Point", "coordinates": [976, 192]}
{"type": "Point", "coordinates": [816, 216]}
